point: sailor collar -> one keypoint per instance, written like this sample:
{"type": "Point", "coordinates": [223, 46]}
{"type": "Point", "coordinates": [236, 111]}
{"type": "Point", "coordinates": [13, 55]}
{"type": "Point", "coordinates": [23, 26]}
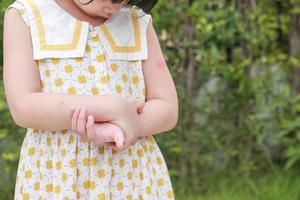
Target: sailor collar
{"type": "Point", "coordinates": [57, 34]}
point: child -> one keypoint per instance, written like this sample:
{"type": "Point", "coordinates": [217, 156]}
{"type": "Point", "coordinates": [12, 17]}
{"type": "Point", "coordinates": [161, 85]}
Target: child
{"type": "Point", "coordinates": [104, 57]}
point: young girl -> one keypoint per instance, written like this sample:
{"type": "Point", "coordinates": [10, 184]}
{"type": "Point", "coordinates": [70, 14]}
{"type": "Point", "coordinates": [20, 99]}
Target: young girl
{"type": "Point", "coordinates": [88, 80]}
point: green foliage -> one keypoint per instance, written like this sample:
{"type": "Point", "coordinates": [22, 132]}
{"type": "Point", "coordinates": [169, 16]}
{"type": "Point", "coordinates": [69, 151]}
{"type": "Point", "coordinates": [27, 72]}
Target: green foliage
{"type": "Point", "coordinates": [283, 186]}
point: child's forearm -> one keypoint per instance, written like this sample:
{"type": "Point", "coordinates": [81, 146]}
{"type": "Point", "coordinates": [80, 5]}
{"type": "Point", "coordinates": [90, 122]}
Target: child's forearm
{"type": "Point", "coordinates": [157, 116]}
{"type": "Point", "coordinates": [50, 111]}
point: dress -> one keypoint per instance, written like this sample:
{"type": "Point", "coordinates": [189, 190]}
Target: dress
{"type": "Point", "coordinates": [75, 57]}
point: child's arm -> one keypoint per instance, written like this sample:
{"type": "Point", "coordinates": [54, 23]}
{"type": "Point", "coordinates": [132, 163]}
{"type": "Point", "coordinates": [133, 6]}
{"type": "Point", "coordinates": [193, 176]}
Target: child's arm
{"type": "Point", "coordinates": [160, 112]}
{"type": "Point", "coordinates": [30, 108]}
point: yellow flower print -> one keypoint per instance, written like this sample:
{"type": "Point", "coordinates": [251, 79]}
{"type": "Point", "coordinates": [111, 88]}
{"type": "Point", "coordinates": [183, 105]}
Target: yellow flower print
{"type": "Point", "coordinates": [91, 69]}
{"type": "Point", "coordinates": [77, 172]}
{"type": "Point", "coordinates": [134, 163]}
{"type": "Point", "coordinates": [124, 78]}
{"type": "Point", "coordinates": [105, 79]}
{"type": "Point", "coordinates": [87, 49]}
{"type": "Point", "coordinates": [101, 196]}
{"type": "Point", "coordinates": [55, 61]}
{"type": "Point", "coordinates": [57, 189]}
{"type": "Point", "coordinates": [82, 79]}
{"type": "Point", "coordinates": [141, 176]}
{"type": "Point", "coordinates": [26, 196]}
{"type": "Point", "coordinates": [120, 186]}
{"type": "Point", "coordinates": [42, 84]}
{"type": "Point", "coordinates": [49, 187]}
{"type": "Point", "coordinates": [95, 90]}
{"type": "Point", "coordinates": [93, 161]}
{"type": "Point", "coordinates": [114, 67]}
{"type": "Point", "coordinates": [148, 189]}
{"type": "Point", "coordinates": [129, 197]}
{"type": "Point", "coordinates": [145, 147]}
{"type": "Point", "coordinates": [100, 58]}
{"type": "Point", "coordinates": [58, 142]}
{"type": "Point", "coordinates": [49, 141]}
{"type": "Point", "coordinates": [129, 175]}
{"type": "Point", "coordinates": [71, 139]}
{"type": "Point", "coordinates": [113, 173]}
{"type": "Point", "coordinates": [129, 151]}
{"type": "Point", "coordinates": [63, 152]}
{"type": "Point", "coordinates": [68, 68]}
{"type": "Point", "coordinates": [118, 89]}
{"type": "Point", "coordinates": [79, 59]}
{"type": "Point", "coordinates": [49, 164]}
{"type": "Point", "coordinates": [28, 174]}
{"type": "Point", "coordinates": [74, 187]}
{"type": "Point", "coordinates": [72, 163]}
{"type": "Point", "coordinates": [72, 90]}
{"type": "Point", "coordinates": [140, 152]}
{"type": "Point", "coordinates": [109, 161]}
{"type": "Point", "coordinates": [36, 186]}
{"type": "Point", "coordinates": [47, 73]}
{"type": "Point", "coordinates": [58, 82]}
{"type": "Point", "coordinates": [121, 163]}
{"type": "Point", "coordinates": [58, 165]}
{"type": "Point", "coordinates": [101, 173]}
{"type": "Point", "coordinates": [101, 150]}
{"type": "Point", "coordinates": [96, 38]}
{"type": "Point", "coordinates": [160, 182]}
{"type": "Point", "coordinates": [135, 79]}
{"type": "Point", "coordinates": [38, 163]}
{"type": "Point", "coordinates": [64, 177]}
{"type": "Point", "coordinates": [85, 161]}
{"type": "Point", "coordinates": [158, 160]}
{"type": "Point", "coordinates": [31, 151]}
{"type": "Point", "coordinates": [170, 194]}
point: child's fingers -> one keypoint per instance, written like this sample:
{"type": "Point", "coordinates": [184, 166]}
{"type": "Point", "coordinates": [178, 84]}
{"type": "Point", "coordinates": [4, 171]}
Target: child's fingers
{"type": "Point", "coordinates": [72, 112]}
{"type": "Point", "coordinates": [119, 139]}
{"type": "Point", "coordinates": [139, 103]}
{"type": "Point", "coordinates": [74, 119]}
{"type": "Point", "coordinates": [81, 122]}
{"type": "Point", "coordinates": [90, 128]}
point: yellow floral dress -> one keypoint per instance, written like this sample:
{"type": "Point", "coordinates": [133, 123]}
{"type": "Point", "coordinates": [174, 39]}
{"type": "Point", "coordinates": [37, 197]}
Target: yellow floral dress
{"type": "Point", "coordinates": [75, 57]}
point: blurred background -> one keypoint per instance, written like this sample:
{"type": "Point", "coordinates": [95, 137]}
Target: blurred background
{"type": "Point", "coordinates": [236, 66]}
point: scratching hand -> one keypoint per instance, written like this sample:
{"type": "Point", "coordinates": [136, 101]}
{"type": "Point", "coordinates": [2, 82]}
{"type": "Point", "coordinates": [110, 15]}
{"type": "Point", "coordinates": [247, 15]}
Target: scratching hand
{"type": "Point", "coordinates": [98, 133]}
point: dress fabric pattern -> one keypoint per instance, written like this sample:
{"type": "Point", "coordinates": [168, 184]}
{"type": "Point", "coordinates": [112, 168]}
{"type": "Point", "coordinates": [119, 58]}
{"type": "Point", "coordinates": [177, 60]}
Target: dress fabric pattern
{"type": "Point", "coordinates": [103, 60]}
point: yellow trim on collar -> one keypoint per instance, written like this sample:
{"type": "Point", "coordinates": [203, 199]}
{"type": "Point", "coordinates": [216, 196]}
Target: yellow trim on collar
{"type": "Point", "coordinates": [122, 49]}
{"type": "Point", "coordinates": [41, 31]}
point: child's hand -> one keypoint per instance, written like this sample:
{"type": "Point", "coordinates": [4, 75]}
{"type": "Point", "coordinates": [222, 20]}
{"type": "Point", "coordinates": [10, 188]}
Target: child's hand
{"type": "Point", "coordinates": [129, 121]}
{"type": "Point", "coordinates": [99, 133]}
{"type": "Point", "coordinates": [78, 116]}
{"type": "Point", "coordinates": [105, 132]}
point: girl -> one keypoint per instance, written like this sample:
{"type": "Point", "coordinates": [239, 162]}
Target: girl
{"type": "Point", "coordinates": [104, 57]}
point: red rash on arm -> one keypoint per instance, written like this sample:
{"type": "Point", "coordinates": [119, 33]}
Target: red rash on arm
{"type": "Point", "coordinates": [161, 64]}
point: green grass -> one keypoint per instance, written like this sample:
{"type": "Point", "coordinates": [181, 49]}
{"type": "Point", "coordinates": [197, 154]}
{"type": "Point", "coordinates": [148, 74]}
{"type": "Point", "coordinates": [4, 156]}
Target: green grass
{"type": "Point", "coordinates": [282, 186]}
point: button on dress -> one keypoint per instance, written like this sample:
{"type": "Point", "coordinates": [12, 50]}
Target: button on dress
{"type": "Point", "coordinates": [77, 58]}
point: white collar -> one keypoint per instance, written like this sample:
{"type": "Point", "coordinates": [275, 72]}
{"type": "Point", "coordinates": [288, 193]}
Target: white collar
{"type": "Point", "coordinates": [56, 33]}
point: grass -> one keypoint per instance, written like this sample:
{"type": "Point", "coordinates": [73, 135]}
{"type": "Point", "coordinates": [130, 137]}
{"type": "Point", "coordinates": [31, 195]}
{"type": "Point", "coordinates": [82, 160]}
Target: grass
{"type": "Point", "coordinates": [281, 186]}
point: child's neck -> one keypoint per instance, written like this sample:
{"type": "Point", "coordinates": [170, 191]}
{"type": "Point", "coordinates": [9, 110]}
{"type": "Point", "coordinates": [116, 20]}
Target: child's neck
{"type": "Point", "coordinates": [70, 7]}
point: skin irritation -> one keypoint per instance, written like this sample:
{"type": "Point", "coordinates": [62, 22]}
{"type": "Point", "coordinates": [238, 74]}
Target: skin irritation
{"type": "Point", "coordinates": [161, 64]}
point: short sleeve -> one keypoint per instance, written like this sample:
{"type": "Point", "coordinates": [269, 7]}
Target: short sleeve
{"type": "Point", "coordinates": [21, 9]}
{"type": "Point", "coordinates": [144, 18]}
